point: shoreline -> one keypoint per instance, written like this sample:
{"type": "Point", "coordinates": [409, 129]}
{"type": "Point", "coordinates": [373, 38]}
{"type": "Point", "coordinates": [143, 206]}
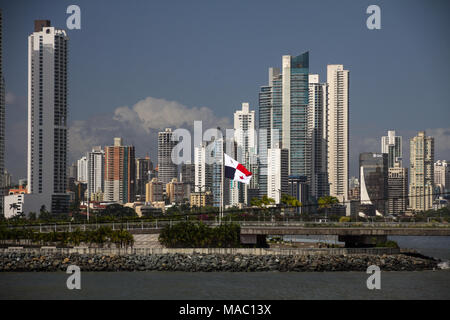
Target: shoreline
{"type": "Point", "coordinates": [16, 261]}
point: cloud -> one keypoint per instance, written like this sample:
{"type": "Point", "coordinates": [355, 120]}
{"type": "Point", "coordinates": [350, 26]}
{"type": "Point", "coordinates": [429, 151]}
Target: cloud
{"type": "Point", "coordinates": [441, 142]}
{"type": "Point", "coordinates": [152, 113]}
{"type": "Point", "coordinates": [138, 125]}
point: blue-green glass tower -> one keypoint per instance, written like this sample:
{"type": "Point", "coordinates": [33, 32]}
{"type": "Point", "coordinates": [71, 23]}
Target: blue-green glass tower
{"type": "Point", "coordinates": [283, 107]}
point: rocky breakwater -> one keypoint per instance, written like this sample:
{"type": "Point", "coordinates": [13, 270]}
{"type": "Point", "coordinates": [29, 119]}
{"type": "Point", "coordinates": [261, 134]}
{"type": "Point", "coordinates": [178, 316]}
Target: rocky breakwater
{"type": "Point", "coordinates": [24, 262]}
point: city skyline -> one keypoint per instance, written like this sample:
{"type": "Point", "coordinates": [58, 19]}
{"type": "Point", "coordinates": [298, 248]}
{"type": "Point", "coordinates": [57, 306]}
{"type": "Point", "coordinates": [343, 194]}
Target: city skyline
{"type": "Point", "coordinates": [140, 104]}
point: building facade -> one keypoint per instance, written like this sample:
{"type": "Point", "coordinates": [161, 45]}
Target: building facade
{"type": "Point", "coordinates": [2, 120]}
{"type": "Point", "coordinates": [373, 183]}
{"type": "Point", "coordinates": [167, 169]}
{"type": "Point", "coordinates": [397, 189]}
{"type": "Point", "coordinates": [392, 145]}
{"type": "Point", "coordinates": [119, 172]}
{"type": "Point", "coordinates": [246, 152]}
{"type": "Point", "coordinates": [154, 191]}
{"type": "Point", "coordinates": [96, 172]}
{"type": "Point", "coordinates": [317, 138]}
{"type": "Point", "coordinates": [143, 168]}
{"type": "Point", "coordinates": [277, 173]}
{"type": "Point", "coordinates": [298, 187]}
{"type": "Point", "coordinates": [442, 178]}
{"type": "Point", "coordinates": [338, 130]}
{"type": "Point", "coordinates": [421, 185]}
{"type": "Point", "coordinates": [175, 191]}
{"type": "Point", "coordinates": [82, 170]}
{"type": "Point", "coordinates": [47, 116]}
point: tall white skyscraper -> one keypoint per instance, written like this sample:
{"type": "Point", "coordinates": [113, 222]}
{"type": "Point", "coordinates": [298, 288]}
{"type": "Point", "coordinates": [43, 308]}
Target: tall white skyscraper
{"type": "Point", "coordinates": [202, 179]}
{"type": "Point", "coordinates": [338, 130]}
{"type": "Point", "coordinates": [96, 170]}
{"type": "Point", "coordinates": [47, 116]}
{"type": "Point", "coordinates": [2, 121]}
{"type": "Point", "coordinates": [317, 137]}
{"type": "Point", "coordinates": [244, 133]}
{"type": "Point", "coordinates": [442, 177]}
{"type": "Point", "coordinates": [277, 173]}
{"type": "Point", "coordinates": [82, 170]}
{"type": "Point", "coordinates": [392, 145]}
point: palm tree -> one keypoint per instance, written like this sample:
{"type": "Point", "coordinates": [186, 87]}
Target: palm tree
{"type": "Point", "coordinates": [327, 202]}
{"type": "Point", "coordinates": [14, 206]}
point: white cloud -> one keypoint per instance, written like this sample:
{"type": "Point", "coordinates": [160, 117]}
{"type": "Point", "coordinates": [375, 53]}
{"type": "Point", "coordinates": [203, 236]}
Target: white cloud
{"type": "Point", "coordinates": [138, 125]}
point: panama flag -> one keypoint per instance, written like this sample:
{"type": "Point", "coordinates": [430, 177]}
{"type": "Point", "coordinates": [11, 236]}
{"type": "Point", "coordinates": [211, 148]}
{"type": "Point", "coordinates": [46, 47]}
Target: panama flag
{"type": "Point", "coordinates": [236, 171]}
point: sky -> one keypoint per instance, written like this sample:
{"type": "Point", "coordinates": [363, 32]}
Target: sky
{"type": "Point", "coordinates": [137, 67]}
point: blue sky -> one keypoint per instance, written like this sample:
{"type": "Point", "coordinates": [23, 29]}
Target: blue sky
{"type": "Point", "coordinates": [133, 60]}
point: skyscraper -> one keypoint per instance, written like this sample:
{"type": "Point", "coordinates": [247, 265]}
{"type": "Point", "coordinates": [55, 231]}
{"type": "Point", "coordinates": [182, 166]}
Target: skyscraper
{"type": "Point", "coordinates": [202, 170]}
{"type": "Point", "coordinates": [317, 137]}
{"type": "Point", "coordinates": [119, 172]}
{"type": "Point", "coordinates": [244, 135]}
{"type": "Point", "coordinates": [187, 176]}
{"type": "Point", "coordinates": [47, 116]}
{"type": "Point", "coordinates": [338, 130]}
{"type": "Point", "coordinates": [277, 173]}
{"type": "Point", "coordinates": [283, 114]}
{"type": "Point", "coordinates": [295, 102]}
{"type": "Point", "coordinates": [421, 172]}
{"type": "Point", "coordinates": [82, 170]}
{"type": "Point", "coordinates": [167, 169]}
{"type": "Point", "coordinates": [2, 120]}
{"type": "Point", "coordinates": [398, 189]}
{"type": "Point", "coordinates": [442, 177]}
{"type": "Point", "coordinates": [374, 182]}
{"type": "Point", "coordinates": [96, 171]}
{"type": "Point", "coordinates": [143, 168]}
{"type": "Point", "coordinates": [392, 145]}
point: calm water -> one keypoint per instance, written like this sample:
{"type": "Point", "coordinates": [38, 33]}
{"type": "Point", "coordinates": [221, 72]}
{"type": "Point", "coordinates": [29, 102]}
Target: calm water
{"type": "Point", "coordinates": [276, 285]}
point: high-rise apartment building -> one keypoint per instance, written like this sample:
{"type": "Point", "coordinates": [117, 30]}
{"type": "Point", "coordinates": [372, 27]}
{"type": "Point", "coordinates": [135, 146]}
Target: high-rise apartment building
{"type": "Point", "coordinates": [47, 116]}
{"type": "Point", "coordinates": [317, 138]}
{"type": "Point", "coordinates": [143, 168]}
{"type": "Point", "coordinates": [392, 145]}
{"type": "Point", "coordinates": [175, 191]}
{"type": "Point", "coordinates": [373, 183]}
{"type": "Point", "coordinates": [167, 169]}
{"type": "Point", "coordinates": [442, 177]}
{"type": "Point", "coordinates": [187, 176]}
{"type": "Point", "coordinates": [277, 173]}
{"type": "Point", "coordinates": [2, 120]}
{"type": "Point", "coordinates": [119, 172]}
{"type": "Point", "coordinates": [96, 171]}
{"type": "Point", "coordinates": [82, 170]}
{"type": "Point", "coordinates": [421, 185]}
{"type": "Point", "coordinates": [244, 135]}
{"type": "Point", "coordinates": [338, 130]}
{"type": "Point", "coordinates": [202, 169]}
{"type": "Point", "coordinates": [154, 191]}
{"type": "Point", "coordinates": [283, 106]}
{"type": "Point", "coordinates": [397, 189]}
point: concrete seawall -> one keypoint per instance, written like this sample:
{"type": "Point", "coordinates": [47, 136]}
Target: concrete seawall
{"type": "Point", "coordinates": [214, 251]}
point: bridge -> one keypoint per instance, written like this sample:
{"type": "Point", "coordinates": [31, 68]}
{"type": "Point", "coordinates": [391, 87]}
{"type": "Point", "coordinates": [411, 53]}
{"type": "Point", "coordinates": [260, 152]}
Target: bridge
{"type": "Point", "coordinates": [354, 234]}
